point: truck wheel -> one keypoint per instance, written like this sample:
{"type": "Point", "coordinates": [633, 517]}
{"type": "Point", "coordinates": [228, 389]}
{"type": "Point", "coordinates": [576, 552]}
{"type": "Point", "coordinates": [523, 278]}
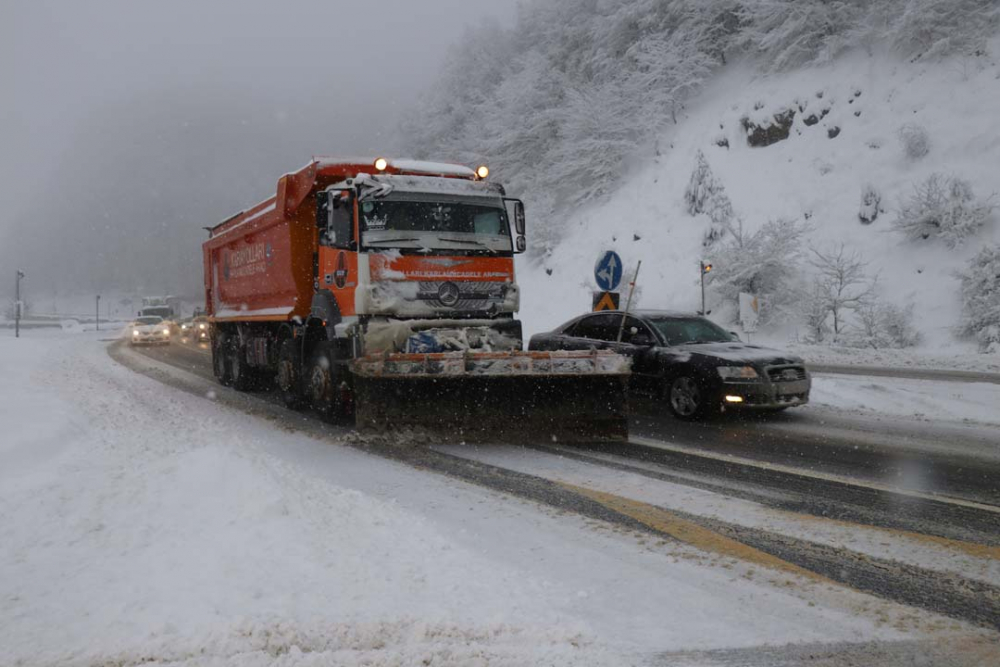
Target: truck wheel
{"type": "Point", "coordinates": [240, 373]}
{"type": "Point", "coordinates": [325, 385]}
{"type": "Point", "coordinates": [220, 361]}
{"type": "Point", "coordinates": [289, 376]}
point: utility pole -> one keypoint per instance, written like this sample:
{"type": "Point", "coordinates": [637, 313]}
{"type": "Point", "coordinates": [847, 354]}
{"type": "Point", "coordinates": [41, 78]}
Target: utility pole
{"type": "Point", "coordinates": [98, 311]}
{"type": "Point", "coordinates": [17, 303]}
{"type": "Point", "coordinates": [705, 268]}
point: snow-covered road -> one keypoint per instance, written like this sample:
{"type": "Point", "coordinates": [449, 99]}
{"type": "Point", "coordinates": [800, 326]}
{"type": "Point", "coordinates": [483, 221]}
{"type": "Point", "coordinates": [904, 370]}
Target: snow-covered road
{"type": "Point", "coordinates": [141, 523]}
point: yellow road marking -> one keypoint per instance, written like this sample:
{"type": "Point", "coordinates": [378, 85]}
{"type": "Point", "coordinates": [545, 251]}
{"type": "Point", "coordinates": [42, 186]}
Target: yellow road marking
{"type": "Point", "coordinates": [969, 548]}
{"type": "Point", "coordinates": [689, 532]}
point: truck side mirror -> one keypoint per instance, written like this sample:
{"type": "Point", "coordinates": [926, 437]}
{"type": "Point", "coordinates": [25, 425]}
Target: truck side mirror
{"type": "Point", "coordinates": [515, 212]}
{"type": "Point", "coordinates": [335, 219]}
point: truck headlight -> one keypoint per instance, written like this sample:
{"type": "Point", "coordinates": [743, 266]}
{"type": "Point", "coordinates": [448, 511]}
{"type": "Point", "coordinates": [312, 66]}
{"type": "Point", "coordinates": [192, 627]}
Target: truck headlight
{"type": "Point", "coordinates": [737, 372]}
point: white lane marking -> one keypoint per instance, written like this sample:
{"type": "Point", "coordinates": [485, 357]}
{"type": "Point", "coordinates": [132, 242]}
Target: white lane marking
{"type": "Point", "coordinates": [828, 477]}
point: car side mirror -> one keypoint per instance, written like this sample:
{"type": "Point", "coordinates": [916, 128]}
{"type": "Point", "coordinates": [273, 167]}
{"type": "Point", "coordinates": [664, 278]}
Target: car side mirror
{"type": "Point", "coordinates": [735, 336]}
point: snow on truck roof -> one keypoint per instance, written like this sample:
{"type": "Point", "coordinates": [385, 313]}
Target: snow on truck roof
{"type": "Point", "coordinates": [429, 185]}
{"type": "Point", "coordinates": [404, 164]}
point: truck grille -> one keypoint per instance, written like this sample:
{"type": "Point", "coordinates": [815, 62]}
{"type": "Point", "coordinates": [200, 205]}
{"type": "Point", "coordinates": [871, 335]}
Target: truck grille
{"type": "Point", "coordinates": [786, 373]}
{"type": "Point", "coordinates": [471, 296]}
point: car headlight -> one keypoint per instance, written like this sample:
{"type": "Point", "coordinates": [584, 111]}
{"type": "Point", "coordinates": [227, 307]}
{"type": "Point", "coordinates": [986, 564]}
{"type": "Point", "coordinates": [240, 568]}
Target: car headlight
{"type": "Point", "coordinates": [166, 332]}
{"type": "Point", "coordinates": [135, 332]}
{"type": "Point", "coordinates": [737, 372]}
{"type": "Point", "coordinates": [201, 326]}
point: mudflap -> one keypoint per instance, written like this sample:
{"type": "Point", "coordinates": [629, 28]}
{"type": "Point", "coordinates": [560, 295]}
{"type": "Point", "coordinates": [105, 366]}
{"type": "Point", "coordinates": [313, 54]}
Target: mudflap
{"type": "Point", "coordinates": [508, 397]}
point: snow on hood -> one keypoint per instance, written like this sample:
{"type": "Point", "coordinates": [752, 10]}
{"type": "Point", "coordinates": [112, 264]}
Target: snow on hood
{"type": "Point", "coordinates": [739, 352]}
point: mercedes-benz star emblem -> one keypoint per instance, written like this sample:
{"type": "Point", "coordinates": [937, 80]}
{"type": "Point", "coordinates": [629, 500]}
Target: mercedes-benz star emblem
{"type": "Point", "coordinates": [448, 294]}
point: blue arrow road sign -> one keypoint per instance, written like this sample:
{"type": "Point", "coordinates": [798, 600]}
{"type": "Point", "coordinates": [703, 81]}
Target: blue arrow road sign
{"type": "Point", "coordinates": [608, 271]}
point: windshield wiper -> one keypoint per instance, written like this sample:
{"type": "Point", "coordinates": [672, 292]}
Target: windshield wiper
{"type": "Point", "coordinates": [468, 242]}
{"type": "Point", "coordinates": [400, 240]}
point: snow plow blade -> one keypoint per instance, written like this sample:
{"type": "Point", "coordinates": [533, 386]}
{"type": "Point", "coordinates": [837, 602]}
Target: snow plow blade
{"type": "Point", "coordinates": [519, 396]}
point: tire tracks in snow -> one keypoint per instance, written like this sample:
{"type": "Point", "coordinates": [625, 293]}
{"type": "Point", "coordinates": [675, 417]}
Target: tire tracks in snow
{"type": "Point", "coordinates": [949, 594]}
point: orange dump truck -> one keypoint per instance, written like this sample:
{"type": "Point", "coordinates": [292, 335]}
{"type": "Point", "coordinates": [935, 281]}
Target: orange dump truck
{"type": "Point", "coordinates": [384, 291]}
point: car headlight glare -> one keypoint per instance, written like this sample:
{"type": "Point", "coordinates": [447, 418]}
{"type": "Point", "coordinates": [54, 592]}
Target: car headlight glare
{"type": "Point", "coordinates": [166, 332]}
{"type": "Point", "coordinates": [135, 332]}
{"type": "Point", "coordinates": [201, 326]}
{"type": "Point", "coordinates": [737, 372]}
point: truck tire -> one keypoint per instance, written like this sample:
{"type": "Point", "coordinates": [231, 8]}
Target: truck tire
{"type": "Point", "coordinates": [220, 359]}
{"type": "Point", "coordinates": [240, 373]}
{"type": "Point", "coordinates": [289, 375]}
{"type": "Point", "coordinates": [325, 381]}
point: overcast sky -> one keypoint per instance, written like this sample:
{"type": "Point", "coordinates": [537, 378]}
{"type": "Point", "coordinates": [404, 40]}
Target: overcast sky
{"type": "Point", "coordinates": [87, 84]}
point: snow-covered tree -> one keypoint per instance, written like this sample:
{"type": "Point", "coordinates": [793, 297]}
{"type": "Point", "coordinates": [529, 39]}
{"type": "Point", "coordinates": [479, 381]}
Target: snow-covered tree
{"type": "Point", "coordinates": [788, 33]}
{"type": "Point", "coordinates": [871, 205]}
{"type": "Point", "coordinates": [945, 208]}
{"type": "Point", "coordinates": [980, 293]}
{"type": "Point", "coordinates": [815, 312]}
{"type": "Point", "coordinates": [883, 325]}
{"type": "Point", "coordinates": [935, 28]}
{"type": "Point", "coordinates": [765, 262]}
{"type": "Point", "coordinates": [705, 195]}
{"type": "Point", "coordinates": [915, 140]}
{"type": "Point", "coordinates": [841, 284]}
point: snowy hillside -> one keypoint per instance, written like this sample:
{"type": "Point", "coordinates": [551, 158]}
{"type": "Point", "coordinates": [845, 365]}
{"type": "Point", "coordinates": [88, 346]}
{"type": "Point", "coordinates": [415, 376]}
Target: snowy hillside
{"type": "Point", "coordinates": [845, 136]}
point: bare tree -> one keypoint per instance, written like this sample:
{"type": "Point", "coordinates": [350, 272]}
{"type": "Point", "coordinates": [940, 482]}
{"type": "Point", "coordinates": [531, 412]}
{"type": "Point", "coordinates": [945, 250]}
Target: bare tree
{"type": "Point", "coordinates": [842, 282]}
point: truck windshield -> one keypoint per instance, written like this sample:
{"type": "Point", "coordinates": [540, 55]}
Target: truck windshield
{"type": "Point", "coordinates": [438, 225]}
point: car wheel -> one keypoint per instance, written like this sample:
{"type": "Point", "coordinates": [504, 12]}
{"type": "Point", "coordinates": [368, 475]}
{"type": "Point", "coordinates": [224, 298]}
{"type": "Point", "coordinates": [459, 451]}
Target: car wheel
{"type": "Point", "coordinates": [220, 360]}
{"type": "Point", "coordinates": [289, 374]}
{"type": "Point", "coordinates": [687, 398]}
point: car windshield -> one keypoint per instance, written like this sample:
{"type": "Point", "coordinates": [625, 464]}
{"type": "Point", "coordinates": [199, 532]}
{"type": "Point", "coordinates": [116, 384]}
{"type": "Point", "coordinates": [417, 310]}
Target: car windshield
{"type": "Point", "coordinates": [161, 312]}
{"type": "Point", "coordinates": [143, 321]}
{"type": "Point", "coordinates": [419, 224]}
{"type": "Point", "coordinates": [681, 330]}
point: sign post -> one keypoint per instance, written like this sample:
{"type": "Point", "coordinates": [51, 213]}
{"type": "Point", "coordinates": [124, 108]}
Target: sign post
{"type": "Point", "coordinates": [17, 303]}
{"type": "Point", "coordinates": [628, 304]}
{"type": "Point", "coordinates": [749, 313]}
{"type": "Point", "coordinates": [705, 268]}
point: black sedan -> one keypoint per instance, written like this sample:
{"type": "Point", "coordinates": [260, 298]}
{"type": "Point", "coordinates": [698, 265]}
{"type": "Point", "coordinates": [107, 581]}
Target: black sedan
{"type": "Point", "coordinates": [688, 361]}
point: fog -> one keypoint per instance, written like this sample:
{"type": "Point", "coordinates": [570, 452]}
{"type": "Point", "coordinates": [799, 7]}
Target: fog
{"type": "Point", "coordinates": [127, 127]}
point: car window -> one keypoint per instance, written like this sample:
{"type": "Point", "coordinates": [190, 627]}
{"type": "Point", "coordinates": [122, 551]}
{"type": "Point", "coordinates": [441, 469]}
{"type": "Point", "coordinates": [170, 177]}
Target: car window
{"type": "Point", "coordinates": [634, 327]}
{"type": "Point", "coordinates": [681, 330]}
{"type": "Point", "coordinates": [597, 327]}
